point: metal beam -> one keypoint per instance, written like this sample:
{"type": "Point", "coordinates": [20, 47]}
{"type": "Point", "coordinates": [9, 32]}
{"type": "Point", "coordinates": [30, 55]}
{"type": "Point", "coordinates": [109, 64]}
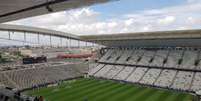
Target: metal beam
{"type": "Point", "coordinates": [34, 30]}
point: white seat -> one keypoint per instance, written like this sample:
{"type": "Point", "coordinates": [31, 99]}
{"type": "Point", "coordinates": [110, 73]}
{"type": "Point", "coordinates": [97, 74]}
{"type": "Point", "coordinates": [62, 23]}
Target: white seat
{"type": "Point", "coordinates": [137, 74]}
{"type": "Point", "coordinates": [166, 78]}
{"type": "Point", "coordinates": [196, 83]}
{"type": "Point", "coordinates": [173, 58]}
{"type": "Point", "coordinates": [150, 76]}
{"type": "Point", "coordinates": [124, 73]}
{"type": "Point", "coordinates": [148, 55]}
{"type": "Point", "coordinates": [183, 80]}
{"type": "Point", "coordinates": [113, 71]}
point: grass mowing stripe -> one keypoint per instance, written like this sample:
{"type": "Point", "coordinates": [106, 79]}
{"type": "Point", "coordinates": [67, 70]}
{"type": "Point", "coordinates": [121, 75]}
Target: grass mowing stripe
{"type": "Point", "coordinates": [76, 90]}
{"type": "Point", "coordinates": [89, 91]}
{"type": "Point", "coordinates": [110, 93]}
{"type": "Point", "coordinates": [172, 97]}
{"type": "Point", "coordinates": [139, 94]}
{"type": "Point", "coordinates": [50, 91]}
{"type": "Point", "coordinates": [162, 96]}
{"type": "Point", "coordinates": [180, 97]}
{"type": "Point", "coordinates": [148, 94]}
{"type": "Point", "coordinates": [124, 93]}
{"type": "Point", "coordinates": [73, 91]}
{"type": "Point", "coordinates": [187, 98]}
{"type": "Point", "coordinates": [101, 91]}
{"type": "Point", "coordinates": [131, 92]}
{"type": "Point", "coordinates": [106, 90]}
{"type": "Point", "coordinates": [97, 93]}
{"type": "Point", "coordinates": [153, 96]}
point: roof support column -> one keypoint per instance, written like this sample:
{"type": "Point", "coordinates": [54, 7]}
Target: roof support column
{"type": "Point", "coordinates": [24, 38]}
{"type": "Point", "coordinates": [61, 41]}
{"type": "Point", "coordinates": [38, 38]}
{"type": "Point", "coordinates": [85, 43]}
{"type": "Point", "coordinates": [78, 43]}
{"type": "Point", "coordinates": [69, 43]}
{"type": "Point", "coordinates": [50, 41]}
{"type": "Point", "coordinates": [9, 35]}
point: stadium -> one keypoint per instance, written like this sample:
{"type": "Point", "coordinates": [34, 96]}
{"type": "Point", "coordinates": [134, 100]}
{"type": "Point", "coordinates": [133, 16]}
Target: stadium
{"type": "Point", "coordinates": [50, 65]}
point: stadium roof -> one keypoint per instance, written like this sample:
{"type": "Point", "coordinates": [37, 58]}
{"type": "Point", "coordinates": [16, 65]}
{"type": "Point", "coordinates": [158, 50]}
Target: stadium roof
{"type": "Point", "coordinates": [18, 9]}
{"type": "Point", "coordinates": [159, 38]}
{"type": "Point", "coordinates": [20, 28]}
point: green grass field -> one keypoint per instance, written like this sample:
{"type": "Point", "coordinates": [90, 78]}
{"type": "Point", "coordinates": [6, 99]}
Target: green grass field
{"type": "Point", "coordinates": [106, 90]}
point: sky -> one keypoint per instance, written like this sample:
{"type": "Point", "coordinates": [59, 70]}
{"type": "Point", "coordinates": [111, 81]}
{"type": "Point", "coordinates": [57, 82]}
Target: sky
{"type": "Point", "coordinates": [123, 16]}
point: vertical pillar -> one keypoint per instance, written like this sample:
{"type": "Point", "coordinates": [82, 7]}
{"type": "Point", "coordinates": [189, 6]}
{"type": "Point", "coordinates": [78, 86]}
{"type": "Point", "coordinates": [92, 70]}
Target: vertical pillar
{"type": "Point", "coordinates": [85, 43]}
{"type": "Point", "coordinates": [9, 35]}
{"type": "Point", "coordinates": [93, 44]}
{"type": "Point", "coordinates": [50, 41]}
{"type": "Point", "coordinates": [38, 38]}
{"type": "Point", "coordinates": [66, 42]}
{"type": "Point", "coordinates": [61, 41]}
{"type": "Point", "coordinates": [24, 38]}
{"type": "Point", "coordinates": [70, 43]}
{"type": "Point", "coordinates": [78, 43]}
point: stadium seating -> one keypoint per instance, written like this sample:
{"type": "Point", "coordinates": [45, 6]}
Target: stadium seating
{"type": "Point", "coordinates": [92, 65]}
{"type": "Point", "coordinates": [106, 56]}
{"type": "Point", "coordinates": [137, 74]}
{"type": "Point", "coordinates": [95, 69]}
{"type": "Point", "coordinates": [123, 75]}
{"type": "Point", "coordinates": [159, 58]}
{"type": "Point", "coordinates": [174, 79]}
{"type": "Point", "coordinates": [196, 84]}
{"type": "Point", "coordinates": [183, 80]}
{"type": "Point", "coordinates": [164, 58]}
{"type": "Point", "coordinates": [170, 68]}
{"type": "Point", "coordinates": [113, 71]}
{"type": "Point", "coordinates": [4, 80]}
{"type": "Point", "coordinates": [189, 59]}
{"type": "Point", "coordinates": [124, 56]}
{"type": "Point", "coordinates": [103, 71]}
{"type": "Point", "coordinates": [173, 58]}
{"type": "Point", "coordinates": [177, 69]}
{"type": "Point", "coordinates": [151, 76]}
{"type": "Point", "coordinates": [135, 57]}
{"type": "Point", "coordinates": [30, 77]}
{"type": "Point", "coordinates": [115, 56]}
{"type": "Point", "coordinates": [147, 58]}
{"type": "Point", "coordinates": [166, 78]}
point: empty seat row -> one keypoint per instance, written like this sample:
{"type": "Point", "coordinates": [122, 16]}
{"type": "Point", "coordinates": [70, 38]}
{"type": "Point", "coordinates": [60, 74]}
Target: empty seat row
{"type": "Point", "coordinates": [30, 77]}
{"type": "Point", "coordinates": [168, 78]}
{"type": "Point", "coordinates": [180, 59]}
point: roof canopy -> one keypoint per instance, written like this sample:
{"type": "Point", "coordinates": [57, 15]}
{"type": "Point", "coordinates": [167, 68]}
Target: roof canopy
{"type": "Point", "coordinates": [20, 28]}
{"type": "Point", "coordinates": [18, 9]}
{"type": "Point", "coordinates": [178, 38]}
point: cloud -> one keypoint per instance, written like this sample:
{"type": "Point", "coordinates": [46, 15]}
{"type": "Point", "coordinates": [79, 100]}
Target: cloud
{"type": "Point", "coordinates": [193, 1]}
{"type": "Point", "coordinates": [167, 20]}
{"type": "Point", "coordinates": [87, 21]}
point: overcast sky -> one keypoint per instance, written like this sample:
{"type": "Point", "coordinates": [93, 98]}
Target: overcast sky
{"type": "Point", "coordinates": [123, 16]}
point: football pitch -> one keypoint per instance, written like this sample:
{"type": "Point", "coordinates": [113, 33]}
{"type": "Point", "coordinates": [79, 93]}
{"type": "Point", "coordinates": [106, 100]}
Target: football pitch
{"type": "Point", "coordinates": [106, 90]}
